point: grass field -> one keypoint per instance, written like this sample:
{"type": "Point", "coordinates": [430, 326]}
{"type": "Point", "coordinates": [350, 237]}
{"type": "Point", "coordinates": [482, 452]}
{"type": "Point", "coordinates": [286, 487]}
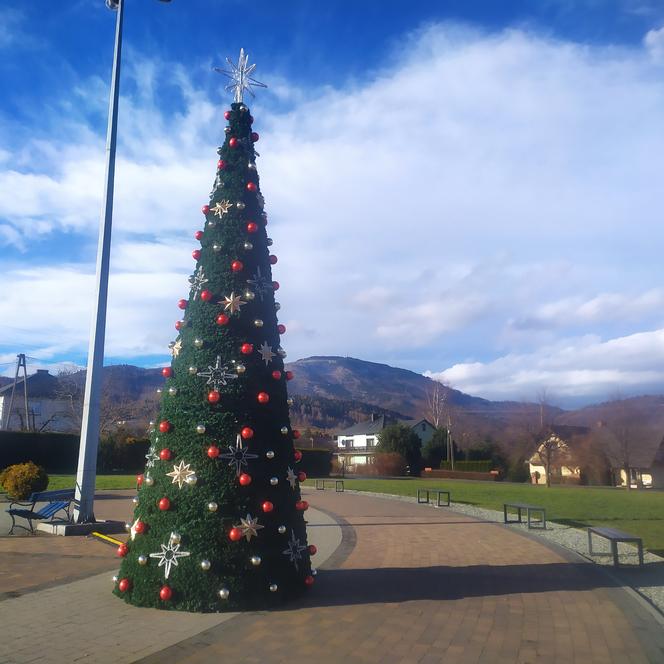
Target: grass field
{"type": "Point", "coordinates": [103, 482]}
{"type": "Point", "coordinates": [638, 512]}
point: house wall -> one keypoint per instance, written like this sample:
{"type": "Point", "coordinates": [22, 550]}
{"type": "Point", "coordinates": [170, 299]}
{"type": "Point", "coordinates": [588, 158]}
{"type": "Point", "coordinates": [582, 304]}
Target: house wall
{"type": "Point", "coordinates": [657, 475]}
{"type": "Point", "coordinates": [424, 431]}
{"type": "Point", "coordinates": [54, 413]}
{"type": "Point", "coordinates": [565, 471]}
{"type": "Point", "coordinates": [358, 440]}
{"type": "Point", "coordinates": [644, 475]}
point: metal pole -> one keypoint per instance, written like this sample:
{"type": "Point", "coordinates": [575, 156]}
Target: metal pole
{"type": "Point", "coordinates": [87, 454]}
{"type": "Point", "coordinates": [25, 391]}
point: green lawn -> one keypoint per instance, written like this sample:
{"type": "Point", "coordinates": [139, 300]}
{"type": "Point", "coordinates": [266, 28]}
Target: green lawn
{"type": "Point", "coordinates": [103, 482]}
{"type": "Point", "coordinates": [638, 512]}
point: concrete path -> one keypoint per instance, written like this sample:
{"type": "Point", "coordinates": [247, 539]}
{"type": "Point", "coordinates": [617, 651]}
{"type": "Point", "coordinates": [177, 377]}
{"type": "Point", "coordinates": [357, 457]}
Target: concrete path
{"type": "Point", "coordinates": [402, 583]}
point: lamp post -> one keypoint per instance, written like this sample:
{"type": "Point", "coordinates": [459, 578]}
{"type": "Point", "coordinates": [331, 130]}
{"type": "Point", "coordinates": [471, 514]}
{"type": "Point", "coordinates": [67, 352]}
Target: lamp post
{"type": "Point", "coordinates": [87, 453]}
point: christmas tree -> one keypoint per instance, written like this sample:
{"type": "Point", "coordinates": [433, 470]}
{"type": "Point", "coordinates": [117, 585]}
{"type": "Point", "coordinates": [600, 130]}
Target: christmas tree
{"type": "Point", "coordinates": [219, 521]}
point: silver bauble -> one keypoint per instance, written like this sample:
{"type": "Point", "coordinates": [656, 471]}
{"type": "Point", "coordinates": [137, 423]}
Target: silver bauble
{"type": "Point", "coordinates": [284, 431]}
{"type": "Point", "coordinates": [269, 242]}
{"type": "Point", "coordinates": [212, 506]}
{"type": "Point", "coordinates": [258, 323]}
{"type": "Point", "coordinates": [281, 529]}
{"type": "Point", "coordinates": [115, 578]}
{"type": "Point", "coordinates": [243, 108]}
{"type": "Point", "coordinates": [151, 423]}
{"type": "Point", "coordinates": [255, 560]}
{"type": "Point", "coordinates": [211, 223]}
{"type": "Point", "coordinates": [274, 587]}
{"type": "Point", "coordinates": [248, 246]}
{"type": "Point", "coordinates": [172, 391]}
{"type": "Point", "coordinates": [176, 538]}
{"type": "Point", "coordinates": [193, 370]}
{"type": "Point", "coordinates": [274, 481]}
{"type": "Point", "coordinates": [249, 295]}
{"type": "Point", "coordinates": [216, 247]}
{"type": "Point", "coordinates": [240, 205]}
{"type": "Point", "coordinates": [290, 401]}
{"type": "Point", "coordinates": [240, 368]}
{"type": "Point", "coordinates": [142, 560]}
{"type": "Point", "coordinates": [277, 306]}
{"type": "Point", "coordinates": [224, 593]}
{"type": "Point", "coordinates": [314, 571]}
{"type": "Point", "coordinates": [127, 527]}
{"type": "Point", "coordinates": [149, 481]}
{"type": "Point", "coordinates": [205, 565]}
{"type": "Point", "coordinates": [281, 352]}
{"type": "Point", "coordinates": [200, 428]}
{"type": "Point", "coordinates": [270, 454]}
{"type": "Point", "coordinates": [227, 130]}
{"type": "Point", "coordinates": [191, 480]}
{"type": "Point", "coordinates": [198, 343]}
{"type": "Point", "coordinates": [159, 390]}
{"type": "Point", "coordinates": [135, 500]}
{"type": "Point", "coordinates": [251, 166]}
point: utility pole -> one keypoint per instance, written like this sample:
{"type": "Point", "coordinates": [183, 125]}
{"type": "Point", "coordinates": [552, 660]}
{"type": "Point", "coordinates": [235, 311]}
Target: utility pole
{"type": "Point", "coordinates": [20, 363]}
{"type": "Point", "coordinates": [450, 443]}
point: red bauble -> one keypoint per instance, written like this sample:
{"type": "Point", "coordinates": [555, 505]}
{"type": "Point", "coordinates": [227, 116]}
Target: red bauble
{"type": "Point", "coordinates": [312, 550]}
{"type": "Point", "coordinates": [299, 505]}
{"type": "Point", "coordinates": [290, 375]}
{"type": "Point", "coordinates": [244, 479]}
{"type": "Point", "coordinates": [123, 550]}
{"type": "Point", "coordinates": [281, 328]}
{"type": "Point", "coordinates": [227, 115]}
{"type": "Point", "coordinates": [183, 304]}
{"type": "Point", "coordinates": [221, 164]}
{"type": "Point", "coordinates": [165, 593]}
{"type": "Point", "coordinates": [206, 295]}
{"type": "Point", "coordinates": [276, 374]}
{"type": "Point", "coordinates": [267, 506]}
{"type": "Point", "coordinates": [254, 136]}
{"type": "Point", "coordinates": [167, 372]}
{"type": "Point", "coordinates": [164, 504]}
{"type": "Point", "coordinates": [205, 209]}
{"type": "Point", "coordinates": [165, 454]}
{"type": "Point", "coordinates": [139, 479]}
{"type": "Point", "coordinates": [263, 397]}
{"type": "Point", "coordinates": [198, 235]}
{"type": "Point", "coordinates": [275, 285]}
{"type": "Point", "coordinates": [196, 254]}
{"type": "Point", "coordinates": [252, 227]}
{"type": "Point", "coordinates": [222, 319]}
{"type": "Point", "coordinates": [213, 396]}
{"type": "Point", "coordinates": [251, 186]}
{"type": "Point", "coordinates": [305, 505]}
{"type": "Point", "coordinates": [233, 143]}
{"type": "Point", "coordinates": [298, 455]}
{"type": "Point", "coordinates": [234, 534]}
{"type": "Point", "coordinates": [309, 581]}
{"type": "Point", "coordinates": [213, 452]}
{"type": "Point", "coordinates": [140, 527]}
{"type": "Point", "coordinates": [247, 432]}
{"type": "Point", "coordinates": [164, 426]}
{"type": "Point", "coordinates": [273, 259]}
{"type": "Point", "coordinates": [302, 476]}
{"type": "Point", "coordinates": [246, 349]}
{"type": "Point", "coordinates": [296, 433]}
{"type": "Point", "coordinates": [124, 585]}
{"type": "Point", "coordinates": [179, 324]}
{"type": "Point", "coordinates": [237, 266]}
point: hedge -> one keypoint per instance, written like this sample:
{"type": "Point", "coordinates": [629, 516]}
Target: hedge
{"type": "Point", "coordinates": [468, 466]}
{"type": "Point", "coordinates": [58, 452]}
{"type": "Point", "coordinates": [316, 462]}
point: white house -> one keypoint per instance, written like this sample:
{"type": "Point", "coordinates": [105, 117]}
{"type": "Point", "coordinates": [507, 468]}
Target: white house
{"type": "Point", "coordinates": [47, 410]}
{"type": "Point", "coordinates": [357, 443]}
{"type": "Point", "coordinates": [559, 446]}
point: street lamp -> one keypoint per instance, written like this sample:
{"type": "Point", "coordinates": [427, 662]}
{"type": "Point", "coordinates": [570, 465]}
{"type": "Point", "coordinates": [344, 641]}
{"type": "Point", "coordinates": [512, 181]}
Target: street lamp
{"type": "Point", "coordinates": [87, 453]}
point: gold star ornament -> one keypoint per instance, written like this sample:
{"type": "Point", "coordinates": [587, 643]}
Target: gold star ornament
{"type": "Point", "coordinates": [221, 208]}
{"type": "Point", "coordinates": [176, 347]}
{"type": "Point", "coordinates": [181, 474]}
{"type": "Point", "coordinates": [249, 527]}
{"type": "Point", "coordinates": [232, 302]}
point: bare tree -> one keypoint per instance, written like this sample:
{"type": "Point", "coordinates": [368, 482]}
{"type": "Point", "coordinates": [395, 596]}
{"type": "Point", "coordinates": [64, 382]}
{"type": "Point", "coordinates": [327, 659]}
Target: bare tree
{"type": "Point", "coordinates": [552, 451]}
{"type": "Point", "coordinates": [543, 399]}
{"type": "Point", "coordinates": [436, 396]}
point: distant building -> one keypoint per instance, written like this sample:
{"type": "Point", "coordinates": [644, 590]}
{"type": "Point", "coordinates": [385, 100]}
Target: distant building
{"type": "Point", "coordinates": [646, 469]}
{"type": "Point", "coordinates": [47, 410]}
{"type": "Point", "coordinates": [357, 444]}
{"type": "Point", "coordinates": [560, 444]}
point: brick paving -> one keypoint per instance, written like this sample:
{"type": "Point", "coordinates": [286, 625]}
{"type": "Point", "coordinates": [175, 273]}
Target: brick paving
{"type": "Point", "coordinates": [410, 584]}
{"type": "Point", "coordinates": [406, 584]}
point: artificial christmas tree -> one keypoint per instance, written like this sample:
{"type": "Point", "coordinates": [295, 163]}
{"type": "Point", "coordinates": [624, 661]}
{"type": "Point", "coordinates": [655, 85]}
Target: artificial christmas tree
{"type": "Point", "coordinates": [219, 520]}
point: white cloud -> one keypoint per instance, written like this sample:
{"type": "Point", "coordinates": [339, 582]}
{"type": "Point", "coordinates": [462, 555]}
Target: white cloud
{"type": "Point", "coordinates": [480, 184]}
{"type": "Point", "coordinates": [654, 43]}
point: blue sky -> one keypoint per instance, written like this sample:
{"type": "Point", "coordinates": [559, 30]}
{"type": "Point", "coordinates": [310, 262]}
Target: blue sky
{"type": "Point", "coordinates": [468, 189]}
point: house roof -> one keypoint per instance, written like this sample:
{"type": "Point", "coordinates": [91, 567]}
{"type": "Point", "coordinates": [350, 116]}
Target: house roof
{"type": "Point", "coordinates": [376, 425]}
{"type": "Point", "coordinates": [565, 432]}
{"type": "Point", "coordinates": [40, 385]}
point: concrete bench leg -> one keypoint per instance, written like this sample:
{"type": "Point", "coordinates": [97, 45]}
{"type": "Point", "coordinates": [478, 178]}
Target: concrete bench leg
{"type": "Point", "coordinates": [614, 552]}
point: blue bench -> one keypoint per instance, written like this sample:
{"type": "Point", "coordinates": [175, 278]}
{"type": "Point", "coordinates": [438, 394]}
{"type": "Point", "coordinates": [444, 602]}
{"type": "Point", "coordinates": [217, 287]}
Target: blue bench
{"type": "Point", "coordinates": [56, 501]}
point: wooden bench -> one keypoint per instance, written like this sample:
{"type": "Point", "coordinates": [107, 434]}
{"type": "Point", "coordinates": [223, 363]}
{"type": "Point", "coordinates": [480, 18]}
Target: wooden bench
{"type": "Point", "coordinates": [338, 485]}
{"type": "Point", "coordinates": [614, 536]}
{"type": "Point", "coordinates": [56, 501]}
{"type": "Point", "coordinates": [439, 492]}
{"type": "Point", "coordinates": [529, 510]}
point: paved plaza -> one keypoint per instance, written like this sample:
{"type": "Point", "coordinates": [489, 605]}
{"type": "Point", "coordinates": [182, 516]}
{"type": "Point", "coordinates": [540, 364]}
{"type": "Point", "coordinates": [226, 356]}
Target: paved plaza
{"type": "Point", "coordinates": [398, 582]}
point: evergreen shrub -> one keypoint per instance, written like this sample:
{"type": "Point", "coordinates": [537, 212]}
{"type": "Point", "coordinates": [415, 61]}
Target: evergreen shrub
{"type": "Point", "coordinates": [23, 479]}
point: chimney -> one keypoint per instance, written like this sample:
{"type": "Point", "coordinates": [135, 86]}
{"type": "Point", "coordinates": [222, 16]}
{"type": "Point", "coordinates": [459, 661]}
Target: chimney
{"type": "Point", "coordinates": [43, 371]}
{"type": "Point", "coordinates": [373, 417]}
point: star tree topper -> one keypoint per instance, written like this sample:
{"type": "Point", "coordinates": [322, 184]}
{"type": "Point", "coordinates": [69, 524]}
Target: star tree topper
{"type": "Point", "coordinates": [240, 75]}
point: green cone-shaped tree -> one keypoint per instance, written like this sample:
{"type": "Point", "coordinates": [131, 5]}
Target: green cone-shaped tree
{"type": "Point", "coordinates": [219, 520]}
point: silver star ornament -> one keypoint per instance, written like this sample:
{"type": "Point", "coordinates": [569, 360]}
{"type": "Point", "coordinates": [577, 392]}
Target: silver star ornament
{"type": "Point", "coordinates": [240, 75]}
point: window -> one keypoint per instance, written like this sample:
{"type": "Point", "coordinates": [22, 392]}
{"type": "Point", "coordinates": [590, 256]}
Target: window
{"type": "Point", "coordinates": [371, 442]}
{"type": "Point", "coordinates": [424, 426]}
